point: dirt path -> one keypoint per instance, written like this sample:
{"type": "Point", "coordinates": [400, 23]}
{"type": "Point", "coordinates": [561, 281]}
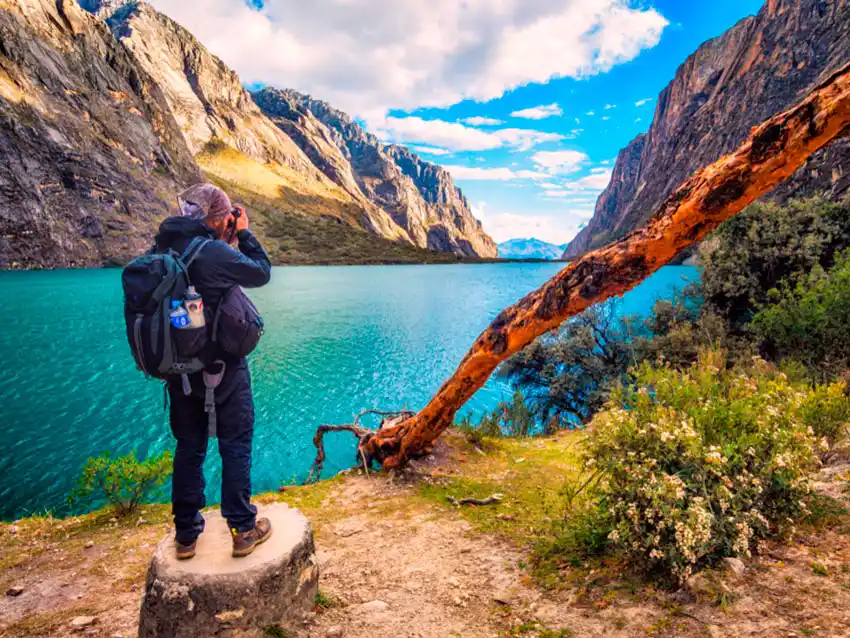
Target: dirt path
{"type": "Point", "coordinates": [397, 563]}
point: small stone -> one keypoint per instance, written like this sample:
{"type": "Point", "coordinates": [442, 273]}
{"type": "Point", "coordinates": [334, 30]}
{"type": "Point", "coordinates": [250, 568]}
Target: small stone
{"type": "Point", "coordinates": [697, 583]}
{"type": "Point", "coordinates": [335, 632]}
{"type": "Point", "coordinates": [140, 522]}
{"type": "Point", "coordinates": [683, 596]}
{"type": "Point", "coordinates": [89, 545]}
{"type": "Point", "coordinates": [81, 622]}
{"type": "Point", "coordinates": [454, 582]}
{"type": "Point", "coordinates": [503, 597]}
{"type": "Point", "coordinates": [14, 591]}
{"type": "Point", "coordinates": [230, 616]}
{"type": "Point", "coordinates": [374, 607]}
{"type": "Point", "coordinates": [735, 565]}
{"type": "Point", "coordinates": [13, 529]}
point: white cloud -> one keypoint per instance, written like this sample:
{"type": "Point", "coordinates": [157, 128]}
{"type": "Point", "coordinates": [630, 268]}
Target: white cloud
{"type": "Point", "coordinates": [638, 119]}
{"type": "Point", "coordinates": [559, 162]}
{"type": "Point", "coordinates": [539, 112]}
{"type": "Point", "coordinates": [455, 136]}
{"type": "Point", "coordinates": [593, 183]}
{"type": "Point", "coordinates": [591, 113]}
{"type": "Point", "coordinates": [605, 118]}
{"type": "Point", "coordinates": [477, 120]}
{"type": "Point", "coordinates": [556, 193]}
{"type": "Point", "coordinates": [600, 169]}
{"type": "Point", "coordinates": [370, 56]}
{"type": "Point", "coordinates": [476, 173]}
{"type": "Point", "coordinates": [645, 100]}
{"type": "Point", "coordinates": [558, 226]}
{"type": "Point", "coordinates": [608, 107]}
{"type": "Point", "coordinates": [430, 150]}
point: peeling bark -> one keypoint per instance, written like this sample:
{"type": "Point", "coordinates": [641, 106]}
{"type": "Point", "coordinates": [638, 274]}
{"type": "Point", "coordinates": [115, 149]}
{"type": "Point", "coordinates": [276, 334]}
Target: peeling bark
{"type": "Point", "coordinates": [774, 150]}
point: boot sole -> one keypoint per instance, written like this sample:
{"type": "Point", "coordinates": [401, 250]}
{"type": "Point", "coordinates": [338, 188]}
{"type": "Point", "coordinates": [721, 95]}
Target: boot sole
{"type": "Point", "coordinates": [247, 552]}
{"type": "Point", "coordinates": [185, 556]}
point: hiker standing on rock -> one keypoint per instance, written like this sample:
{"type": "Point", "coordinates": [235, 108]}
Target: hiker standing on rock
{"type": "Point", "coordinates": [206, 253]}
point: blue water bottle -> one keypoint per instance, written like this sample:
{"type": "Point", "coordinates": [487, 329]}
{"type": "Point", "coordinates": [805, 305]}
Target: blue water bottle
{"type": "Point", "coordinates": [179, 316]}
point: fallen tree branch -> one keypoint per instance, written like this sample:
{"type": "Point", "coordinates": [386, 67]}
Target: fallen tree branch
{"type": "Point", "coordinates": [363, 434]}
{"type": "Point", "coordinates": [490, 500]}
{"type": "Point", "coordinates": [771, 154]}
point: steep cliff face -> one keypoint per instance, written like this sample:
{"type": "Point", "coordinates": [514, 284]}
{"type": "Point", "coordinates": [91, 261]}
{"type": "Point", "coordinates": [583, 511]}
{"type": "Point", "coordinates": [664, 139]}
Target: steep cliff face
{"type": "Point", "coordinates": [420, 197]}
{"type": "Point", "coordinates": [91, 154]}
{"type": "Point", "coordinates": [760, 67]}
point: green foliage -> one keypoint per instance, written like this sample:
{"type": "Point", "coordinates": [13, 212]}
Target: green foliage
{"type": "Point", "coordinates": [766, 243]}
{"type": "Point", "coordinates": [125, 482]}
{"type": "Point", "coordinates": [826, 411]}
{"type": "Point", "coordinates": [510, 418]}
{"type": "Point", "coordinates": [678, 329]}
{"type": "Point", "coordinates": [276, 631]}
{"type": "Point", "coordinates": [810, 320]}
{"type": "Point", "coordinates": [567, 377]}
{"type": "Point", "coordinates": [702, 464]}
{"type": "Point", "coordinates": [325, 601]}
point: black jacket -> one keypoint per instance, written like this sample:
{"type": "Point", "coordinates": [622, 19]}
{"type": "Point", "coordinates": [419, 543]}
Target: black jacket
{"type": "Point", "coordinates": [216, 270]}
{"type": "Point", "coordinates": [218, 267]}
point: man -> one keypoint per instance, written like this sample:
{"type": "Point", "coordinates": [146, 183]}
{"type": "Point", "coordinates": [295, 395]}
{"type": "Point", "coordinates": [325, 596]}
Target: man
{"type": "Point", "coordinates": [206, 211]}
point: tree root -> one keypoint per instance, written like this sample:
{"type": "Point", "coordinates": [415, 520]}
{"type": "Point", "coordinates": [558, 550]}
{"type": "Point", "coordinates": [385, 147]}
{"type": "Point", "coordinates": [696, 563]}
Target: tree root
{"type": "Point", "coordinates": [363, 434]}
{"type": "Point", "coordinates": [490, 500]}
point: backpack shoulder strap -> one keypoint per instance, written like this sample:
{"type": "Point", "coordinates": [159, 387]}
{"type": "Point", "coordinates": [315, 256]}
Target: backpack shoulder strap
{"type": "Point", "coordinates": [193, 250]}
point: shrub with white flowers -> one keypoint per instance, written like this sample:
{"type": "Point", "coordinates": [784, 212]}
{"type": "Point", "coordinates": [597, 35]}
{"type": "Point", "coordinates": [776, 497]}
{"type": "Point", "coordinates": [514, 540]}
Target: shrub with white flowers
{"type": "Point", "coordinates": [704, 463]}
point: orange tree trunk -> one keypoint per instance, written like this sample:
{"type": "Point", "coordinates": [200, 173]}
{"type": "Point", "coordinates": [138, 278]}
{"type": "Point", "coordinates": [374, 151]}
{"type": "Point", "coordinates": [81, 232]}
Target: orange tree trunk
{"type": "Point", "coordinates": [773, 151]}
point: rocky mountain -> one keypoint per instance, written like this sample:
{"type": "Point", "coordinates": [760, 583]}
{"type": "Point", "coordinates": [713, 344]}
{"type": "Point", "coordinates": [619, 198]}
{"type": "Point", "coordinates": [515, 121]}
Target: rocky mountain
{"type": "Point", "coordinates": [109, 108]}
{"type": "Point", "coordinates": [761, 66]}
{"type": "Point", "coordinates": [530, 249]}
{"type": "Point", "coordinates": [419, 196]}
{"type": "Point", "coordinates": [91, 153]}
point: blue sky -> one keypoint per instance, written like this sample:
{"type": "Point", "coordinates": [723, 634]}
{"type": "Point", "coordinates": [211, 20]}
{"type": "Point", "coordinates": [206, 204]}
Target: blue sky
{"type": "Point", "coordinates": [526, 102]}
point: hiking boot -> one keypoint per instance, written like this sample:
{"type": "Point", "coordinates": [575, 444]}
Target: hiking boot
{"type": "Point", "coordinates": [246, 542]}
{"type": "Point", "coordinates": [185, 552]}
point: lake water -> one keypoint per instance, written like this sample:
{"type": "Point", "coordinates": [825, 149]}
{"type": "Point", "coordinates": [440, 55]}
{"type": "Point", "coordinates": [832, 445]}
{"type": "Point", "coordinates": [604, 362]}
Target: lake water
{"type": "Point", "coordinates": [338, 340]}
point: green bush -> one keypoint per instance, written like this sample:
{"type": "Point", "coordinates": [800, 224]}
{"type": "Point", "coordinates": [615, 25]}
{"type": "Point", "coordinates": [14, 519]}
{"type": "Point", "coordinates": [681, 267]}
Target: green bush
{"type": "Point", "coordinates": [510, 418]}
{"type": "Point", "coordinates": [567, 377]}
{"type": "Point", "coordinates": [827, 411]}
{"type": "Point", "coordinates": [765, 244]}
{"type": "Point", "coordinates": [701, 464]}
{"type": "Point", "coordinates": [810, 320]}
{"type": "Point", "coordinates": [125, 482]}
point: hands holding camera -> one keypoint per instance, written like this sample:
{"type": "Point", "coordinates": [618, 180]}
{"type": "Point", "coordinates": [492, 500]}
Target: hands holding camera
{"type": "Point", "coordinates": [238, 221]}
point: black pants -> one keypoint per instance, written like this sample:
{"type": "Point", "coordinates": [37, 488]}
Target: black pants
{"type": "Point", "coordinates": [235, 429]}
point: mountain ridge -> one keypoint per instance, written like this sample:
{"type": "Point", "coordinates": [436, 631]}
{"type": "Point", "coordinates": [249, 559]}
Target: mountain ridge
{"type": "Point", "coordinates": [421, 197]}
{"type": "Point", "coordinates": [110, 108]}
{"type": "Point", "coordinates": [761, 66]}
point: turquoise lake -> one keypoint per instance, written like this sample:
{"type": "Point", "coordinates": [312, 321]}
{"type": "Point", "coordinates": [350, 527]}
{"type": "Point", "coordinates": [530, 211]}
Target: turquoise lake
{"type": "Point", "coordinates": [338, 340]}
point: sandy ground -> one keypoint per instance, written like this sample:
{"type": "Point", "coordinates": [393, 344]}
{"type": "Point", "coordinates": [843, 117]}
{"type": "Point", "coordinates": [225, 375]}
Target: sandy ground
{"type": "Point", "coordinates": [394, 564]}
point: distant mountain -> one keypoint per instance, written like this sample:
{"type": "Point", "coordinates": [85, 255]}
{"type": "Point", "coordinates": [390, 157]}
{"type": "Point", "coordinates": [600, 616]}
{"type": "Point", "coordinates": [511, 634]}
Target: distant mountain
{"type": "Point", "coordinates": [419, 196]}
{"type": "Point", "coordinates": [530, 249]}
{"type": "Point", "coordinates": [109, 109]}
{"type": "Point", "coordinates": [759, 67]}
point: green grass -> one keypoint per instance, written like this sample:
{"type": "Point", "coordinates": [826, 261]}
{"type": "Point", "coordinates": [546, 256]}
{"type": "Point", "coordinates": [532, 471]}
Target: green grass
{"type": "Point", "coordinates": [528, 472]}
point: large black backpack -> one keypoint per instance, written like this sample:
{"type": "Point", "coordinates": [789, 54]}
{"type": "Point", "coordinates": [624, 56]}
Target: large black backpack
{"type": "Point", "coordinates": [150, 283]}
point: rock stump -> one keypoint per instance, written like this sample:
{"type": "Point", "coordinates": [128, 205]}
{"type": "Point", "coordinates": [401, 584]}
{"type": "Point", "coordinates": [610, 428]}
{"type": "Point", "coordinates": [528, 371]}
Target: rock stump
{"type": "Point", "coordinates": [214, 594]}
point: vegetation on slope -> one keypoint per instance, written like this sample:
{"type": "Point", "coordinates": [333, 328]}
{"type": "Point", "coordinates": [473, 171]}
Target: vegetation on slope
{"type": "Point", "coordinates": [297, 226]}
